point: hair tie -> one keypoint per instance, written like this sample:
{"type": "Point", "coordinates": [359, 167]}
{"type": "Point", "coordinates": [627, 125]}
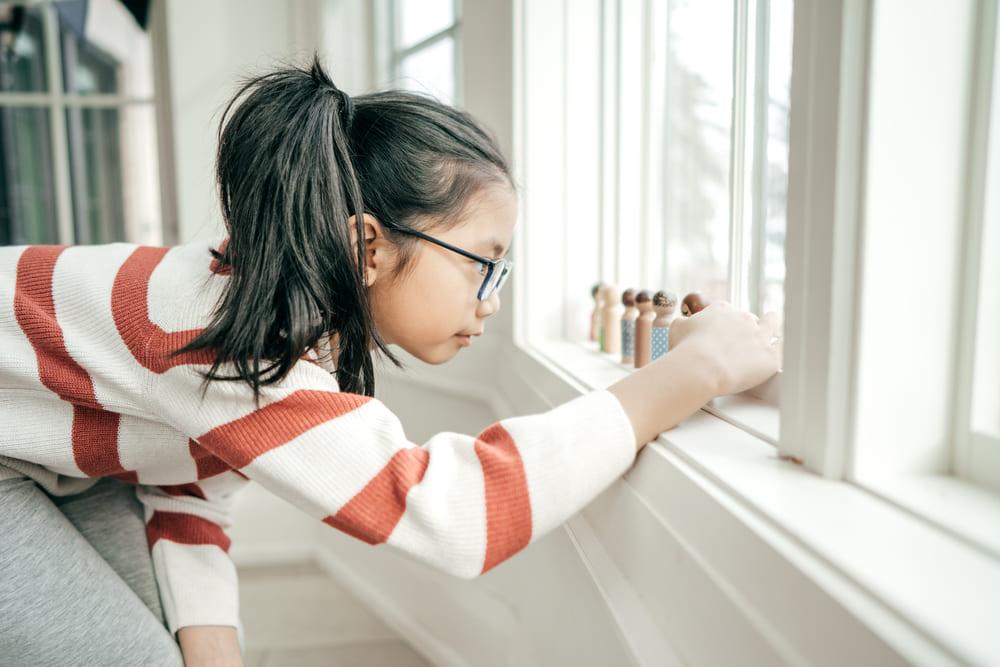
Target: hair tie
{"type": "Point", "coordinates": [346, 111]}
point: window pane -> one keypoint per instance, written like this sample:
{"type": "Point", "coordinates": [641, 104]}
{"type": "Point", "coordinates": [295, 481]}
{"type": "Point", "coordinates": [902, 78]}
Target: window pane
{"type": "Point", "coordinates": [431, 70]}
{"type": "Point", "coordinates": [95, 173]}
{"type": "Point", "coordinates": [779, 78]}
{"type": "Point", "coordinates": [115, 58]}
{"type": "Point", "coordinates": [416, 20]}
{"type": "Point", "coordinates": [696, 147]}
{"type": "Point", "coordinates": [27, 190]}
{"type": "Point", "coordinates": [86, 68]}
{"type": "Point", "coordinates": [986, 373]}
{"type": "Point", "coordinates": [22, 54]}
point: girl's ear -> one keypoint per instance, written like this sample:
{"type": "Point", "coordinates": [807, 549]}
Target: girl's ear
{"type": "Point", "coordinates": [378, 250]}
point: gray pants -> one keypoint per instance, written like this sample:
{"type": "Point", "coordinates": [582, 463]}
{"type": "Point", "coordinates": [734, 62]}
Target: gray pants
{"type": "Point", "coordinates": [76, 579]}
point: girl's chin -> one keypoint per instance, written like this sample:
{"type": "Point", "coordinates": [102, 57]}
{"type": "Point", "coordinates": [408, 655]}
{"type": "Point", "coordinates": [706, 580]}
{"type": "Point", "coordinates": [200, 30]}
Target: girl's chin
{"type": "Point", "coordinates": [437, 354]}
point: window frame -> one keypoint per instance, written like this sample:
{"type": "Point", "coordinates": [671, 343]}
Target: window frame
{"type": "Point", "coordinates": [56, 101]}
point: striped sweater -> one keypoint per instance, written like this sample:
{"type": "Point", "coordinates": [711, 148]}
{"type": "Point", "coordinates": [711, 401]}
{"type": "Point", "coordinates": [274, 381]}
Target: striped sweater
{"type": "Point", "coordinates": [88, 390]}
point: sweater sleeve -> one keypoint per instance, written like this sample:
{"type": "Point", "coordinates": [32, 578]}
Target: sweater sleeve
{"type": "Point", "coordinates": [460, 503]}
{"type": "Point", "coordinates": [185, 528]}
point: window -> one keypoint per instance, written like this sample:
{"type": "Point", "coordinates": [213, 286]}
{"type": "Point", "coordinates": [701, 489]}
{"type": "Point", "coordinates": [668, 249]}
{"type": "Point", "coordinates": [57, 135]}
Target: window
{"type": "Point", "coordinates": [424, 44]}
{"type": "Point", "coordinates": [653, 154]}
{"type": "Point", "coordinates": [78, 151]}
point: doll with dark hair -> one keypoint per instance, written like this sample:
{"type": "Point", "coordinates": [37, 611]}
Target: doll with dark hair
{"type": "Point", "coordinates": [693, 303]}
{"type": "Point", "coordinates": [643, 328]}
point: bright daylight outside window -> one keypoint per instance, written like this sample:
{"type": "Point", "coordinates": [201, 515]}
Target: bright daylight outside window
{"type": "Point", "coordinates": [425, 46]}
{"type": "Point", "coordinates": [78, 157]}
{"type": "Point", "coordinates": [660, 163]}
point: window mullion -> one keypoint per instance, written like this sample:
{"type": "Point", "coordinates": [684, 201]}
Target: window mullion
{"type": "Point", "coordinates": [609, 144]}
{"type": "Point", "coordinates": [57, 125]}
{"type": "Point", "coordinates": [760, 157]}
{"type": "Point", "coordinates": [968, 295]}
{"type": "Point", "coordinates": [825, 196]}
{"type": "Point", "coordinates": [738, 158]}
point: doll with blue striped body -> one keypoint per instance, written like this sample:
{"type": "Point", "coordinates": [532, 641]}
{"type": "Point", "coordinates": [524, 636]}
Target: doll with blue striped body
{"type": "Point", "coordinates": [664, 304]}
{"type": "Point", "coordinates": [628, 327]}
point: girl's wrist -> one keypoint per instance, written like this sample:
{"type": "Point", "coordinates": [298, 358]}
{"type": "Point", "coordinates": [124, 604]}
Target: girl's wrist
{"type": "Point", "coordinates": [210, 646]}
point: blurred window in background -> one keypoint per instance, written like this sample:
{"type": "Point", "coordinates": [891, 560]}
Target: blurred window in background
{"type": "Point", "coordinates": [78, 133]}
{"type": "Point", "coordinates": [424, 36]}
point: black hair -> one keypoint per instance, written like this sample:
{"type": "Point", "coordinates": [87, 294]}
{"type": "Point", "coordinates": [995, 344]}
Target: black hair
{"type": "Point", "coordinates": [297, 157]}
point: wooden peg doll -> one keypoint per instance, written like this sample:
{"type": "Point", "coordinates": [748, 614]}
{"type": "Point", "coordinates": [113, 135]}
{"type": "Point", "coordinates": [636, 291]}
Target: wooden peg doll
{"type": "Point", "coordinates": [693, 303]}
{"type": "Point", "coordinates": [628, 326]}
{"type": "Point", "coordinates": [643, 328]}
{"type": "Point", "coordinates": [611, 315]}
{"type": "Point", "coordinates": [664, 304]}
{"type": "Point", "coordinates": [597, 294]}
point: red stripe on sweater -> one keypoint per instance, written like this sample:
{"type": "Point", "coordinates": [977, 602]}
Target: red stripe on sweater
{"type": "Point", "coordinates": [373, 513]}
{"type": "Point", "coordinates": [508, 508]}
{"type": "Point", "coordinates": [149, 344]}
{"type": "Point", "coordinates": [242, 440]}
{"type": "Point", "coordinates": [184, 529]}
{"type": "Point", "coordinates": [181, 490]}
{"type": "Point", "coordinates": [207, 465]}
{"type": "Point", "coordinates": [95, 431]}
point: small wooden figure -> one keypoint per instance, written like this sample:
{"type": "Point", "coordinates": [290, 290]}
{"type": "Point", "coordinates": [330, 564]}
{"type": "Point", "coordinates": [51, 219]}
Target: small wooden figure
{"type": "Point", "coordinates": [611, 315]}
{"type": "Point", "coordinates": [643, 328]}
{"type": "Point", "coordinates": [597, 295]}
{"type": "Point", "coordinates": [628, 327]}
{"type": "Point", "coordinates": [693, 303]}
{"type": "Point", "coordinates": [664, 304]}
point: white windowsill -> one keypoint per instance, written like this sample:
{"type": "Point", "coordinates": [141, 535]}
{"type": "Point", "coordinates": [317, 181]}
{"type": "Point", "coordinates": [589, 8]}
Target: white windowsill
{"type": "Point", "coordinates": [927, 592]}
{"type": "Point", "coordinates": [755, 411]}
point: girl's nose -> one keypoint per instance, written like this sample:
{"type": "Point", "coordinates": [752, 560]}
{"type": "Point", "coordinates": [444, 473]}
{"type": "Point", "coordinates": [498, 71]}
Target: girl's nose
{"type": "Point", "coordinates": [488, 307]}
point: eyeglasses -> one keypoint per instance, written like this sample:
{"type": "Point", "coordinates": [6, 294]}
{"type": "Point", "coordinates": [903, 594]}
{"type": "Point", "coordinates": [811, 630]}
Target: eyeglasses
{"type": "Point", "coordinates": [494, 271]}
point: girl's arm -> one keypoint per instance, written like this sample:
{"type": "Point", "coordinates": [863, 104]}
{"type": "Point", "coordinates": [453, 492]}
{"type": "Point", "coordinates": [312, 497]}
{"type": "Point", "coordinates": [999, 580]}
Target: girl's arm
{"type": "Point", "coordinates": [185, 528]}
{"type": "Point", "coordinates": [461, 503]}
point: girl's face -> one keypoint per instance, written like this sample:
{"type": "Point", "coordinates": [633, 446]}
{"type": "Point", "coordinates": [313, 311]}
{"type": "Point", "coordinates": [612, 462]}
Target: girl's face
{"type": "Point", "coordinates": [431, 310]}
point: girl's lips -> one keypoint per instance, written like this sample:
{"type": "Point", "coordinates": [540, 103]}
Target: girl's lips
{"type": "Point", "coordinates": [464, 340]}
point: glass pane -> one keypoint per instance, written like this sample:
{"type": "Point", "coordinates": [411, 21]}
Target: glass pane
{"type": "Point", "coordinates": [431, 70]}
{"type": "Point", "coordinates": [27, 189]}
{"type": "Point", "coordinates": [696, 147]}
{"type": "Point", "coordinates": [416, 20]}
{"type": "Point", "coordinates": [140, 175]}
{"type": "Point", "coordinates": [779, 78]}
{"type": "Point", "coordinates": [22, 50]}
{"type": "Point", "coordinates": [115, 58]}
{"type": "Point", "coordinates": [986, 373]}
{"type": "Point", "coordinates": [94, 137]}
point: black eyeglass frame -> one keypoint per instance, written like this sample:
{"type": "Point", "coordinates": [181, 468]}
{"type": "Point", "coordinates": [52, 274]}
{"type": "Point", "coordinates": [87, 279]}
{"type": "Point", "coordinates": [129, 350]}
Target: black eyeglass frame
{"type": "Point", "coordinates": [504, 266]}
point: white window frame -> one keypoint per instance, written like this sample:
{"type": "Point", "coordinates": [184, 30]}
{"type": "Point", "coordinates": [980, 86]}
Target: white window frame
{"type": "Point", "coordinates": [56, 101]}
{"type": "Point", "coordinates": [937, 612]}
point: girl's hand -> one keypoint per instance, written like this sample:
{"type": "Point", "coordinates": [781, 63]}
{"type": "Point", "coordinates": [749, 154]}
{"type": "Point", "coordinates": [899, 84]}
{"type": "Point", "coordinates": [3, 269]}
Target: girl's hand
{"type": "Point", "coordinates": [717, 351]}
{"type": "Point", "coordinates": [741, 350]}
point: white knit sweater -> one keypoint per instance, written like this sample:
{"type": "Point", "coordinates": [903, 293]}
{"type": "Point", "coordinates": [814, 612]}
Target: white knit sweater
{"type": "Point", "coordinates": [87, 390]}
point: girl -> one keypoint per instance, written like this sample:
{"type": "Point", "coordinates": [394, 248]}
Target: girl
{"type": "Point", "coordinates": [351, 225]}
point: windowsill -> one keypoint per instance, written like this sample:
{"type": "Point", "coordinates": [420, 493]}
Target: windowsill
{"type": "Point", "coordinates": [923, 590]}
{"type": "Point", "coordinates": [754, 411]}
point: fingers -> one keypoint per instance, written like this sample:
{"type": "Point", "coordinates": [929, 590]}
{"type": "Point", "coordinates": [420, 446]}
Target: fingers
{"type": "Point", "coordinates": [771, 322]}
